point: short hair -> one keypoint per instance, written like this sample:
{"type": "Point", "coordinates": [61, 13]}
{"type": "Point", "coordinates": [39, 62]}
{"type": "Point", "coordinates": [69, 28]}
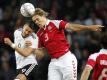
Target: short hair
{"type": "Point", "coordinates": [31, 24]}
{"type": "Point", "coordinates": [40, 12]}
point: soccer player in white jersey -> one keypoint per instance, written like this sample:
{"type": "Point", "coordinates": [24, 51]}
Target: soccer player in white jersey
{"type": "Point", "coordinates": [97, 62]}
{"type": "Point", "coordinates": [63, 65]}
{"type": "Point", "coordinates": [25, 58]}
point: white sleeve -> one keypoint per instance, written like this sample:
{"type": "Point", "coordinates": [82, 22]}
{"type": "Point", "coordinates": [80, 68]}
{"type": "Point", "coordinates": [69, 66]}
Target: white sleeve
{"type": "Point", "coordinates": [57, 23]}
{"type": "Point", "coordinates": [15, 35]}
{"type": "Point", "coordinates": [34, 42]}
{"type": "Point", "coordinates": [60, 24]}
{"type": "Point", "coordinates": [93, 56]}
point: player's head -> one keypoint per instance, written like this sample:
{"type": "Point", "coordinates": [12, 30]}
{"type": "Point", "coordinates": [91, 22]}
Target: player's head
{"type": "Point", "coordinates": [103, 40]}
{"type": "Point", "coordinates": [28, 28]}
{"type": "Point", "coordinates": [39, 17]}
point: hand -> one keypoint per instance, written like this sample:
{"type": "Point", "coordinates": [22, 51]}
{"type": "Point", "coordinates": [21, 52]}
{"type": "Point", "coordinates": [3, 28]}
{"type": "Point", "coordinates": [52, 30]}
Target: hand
{"type": "Point", "coordinates": [96, 27]}
{"type": "Point", "coordinates": [28, 43]}
{"type": "Point", "coordinates": [7, 41]}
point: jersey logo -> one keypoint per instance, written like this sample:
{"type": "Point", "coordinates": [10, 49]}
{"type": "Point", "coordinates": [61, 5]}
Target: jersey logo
{"type": "Point", "coordinates": [49, 27]}
{"type": "Point", "coordinates": [23, 70]}
{"type": "Point", "coordinates": [103, 62]}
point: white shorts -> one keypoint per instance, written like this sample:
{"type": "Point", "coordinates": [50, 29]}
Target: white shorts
{"type": "Point", "coordinates": [63, 68]}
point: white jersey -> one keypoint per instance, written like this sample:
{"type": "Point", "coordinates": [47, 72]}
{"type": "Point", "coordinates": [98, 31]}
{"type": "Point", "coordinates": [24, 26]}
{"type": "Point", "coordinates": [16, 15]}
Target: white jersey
{"type": "Point", "coordinates": [22, 61]}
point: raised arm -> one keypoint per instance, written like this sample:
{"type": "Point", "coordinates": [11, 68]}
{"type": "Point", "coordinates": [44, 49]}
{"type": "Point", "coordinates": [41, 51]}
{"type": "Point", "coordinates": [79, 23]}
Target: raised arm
{"type": "Point", "coordinates": [86, 73]}
{"type": "Point", "coordinates": [78, 27]}
{"type": "Point", "coordinates": [39, 52]}
{"type": "Point", "coordinates": [24, 52]}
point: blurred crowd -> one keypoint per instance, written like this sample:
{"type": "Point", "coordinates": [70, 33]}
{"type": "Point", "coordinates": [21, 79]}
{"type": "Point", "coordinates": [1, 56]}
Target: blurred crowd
{"type": "Point", "coordinates": [84, 43]}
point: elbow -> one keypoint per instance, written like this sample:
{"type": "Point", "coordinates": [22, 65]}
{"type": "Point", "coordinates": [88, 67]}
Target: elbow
{"type": "Point", "coordinates": [25, 54]}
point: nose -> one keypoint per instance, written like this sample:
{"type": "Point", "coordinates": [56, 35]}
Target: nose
{"type": "Point", "coordinates": [27, 33]}
{"type": "Point", "coordinates": [36, 21]}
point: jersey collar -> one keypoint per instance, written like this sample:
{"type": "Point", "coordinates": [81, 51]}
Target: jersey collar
{"type": "Point", "coordinates": [47, 22]}
{"type": "Point", "coordinates": [103, 50]}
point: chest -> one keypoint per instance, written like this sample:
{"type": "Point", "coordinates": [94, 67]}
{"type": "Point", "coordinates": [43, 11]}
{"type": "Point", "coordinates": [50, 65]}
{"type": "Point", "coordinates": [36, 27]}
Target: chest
{"type": "Point", "coordinates": [102, 61]}
{"type": "Point", "coordinates": [51, 33]}
{"type": "Point", "coordinates": [19, 41]}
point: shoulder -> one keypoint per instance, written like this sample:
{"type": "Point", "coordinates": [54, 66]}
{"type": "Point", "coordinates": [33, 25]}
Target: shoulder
{"type": "Point", "coordinates": [17, 31]}
{"type": "Point", "coordinates": [59, 23]}
{"type": "Point", "coordinates": [93, 56]}
{"type": "Point", "coordinates": [56, 22]}
{"type": "Point", "coordinates": [34, 36]}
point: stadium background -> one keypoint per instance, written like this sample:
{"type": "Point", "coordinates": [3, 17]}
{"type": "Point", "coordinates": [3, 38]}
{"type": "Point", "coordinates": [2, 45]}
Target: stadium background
{"type": "Point", "coordinates": [83, 43]}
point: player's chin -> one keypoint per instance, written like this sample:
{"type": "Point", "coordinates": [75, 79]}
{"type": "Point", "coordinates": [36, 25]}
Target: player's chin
{"type": "Point", "coordinates": [41, 26]}
{"type": "Point", "coordinates": [26, 35]}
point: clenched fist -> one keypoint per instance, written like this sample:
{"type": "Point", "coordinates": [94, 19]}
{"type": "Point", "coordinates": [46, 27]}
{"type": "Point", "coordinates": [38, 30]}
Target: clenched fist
{"type": "Point", "coordinates": [96, 27]}
{"type": "Point", "coordinates": [7, 41]}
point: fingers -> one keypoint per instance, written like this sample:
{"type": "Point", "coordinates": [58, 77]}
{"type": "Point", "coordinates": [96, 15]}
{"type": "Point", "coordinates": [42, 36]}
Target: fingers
{"type": "Point", "coordinates": [103, 29]}
{"type": "Point", "coordinates": [5, 40]}
{"type": "Point", "coordinates": [99, 28]}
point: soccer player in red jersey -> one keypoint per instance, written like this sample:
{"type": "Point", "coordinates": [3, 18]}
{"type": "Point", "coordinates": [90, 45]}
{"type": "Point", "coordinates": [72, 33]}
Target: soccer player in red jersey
{"type": "Point", "coordinates": [63, 65]}
{"type": "Point", "coordinates": [97, 62]}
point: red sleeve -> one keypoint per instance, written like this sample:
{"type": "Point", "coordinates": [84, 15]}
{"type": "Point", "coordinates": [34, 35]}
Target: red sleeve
{"type": "Point", "coordinates": [62, 24]}
{"type": "Point", "coordinates": [91, 63]}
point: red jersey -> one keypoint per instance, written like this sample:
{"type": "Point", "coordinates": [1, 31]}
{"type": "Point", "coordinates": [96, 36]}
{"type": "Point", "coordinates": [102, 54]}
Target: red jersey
{"type": "Point", "coordinates": [98, 62]}
{"type": "Point", "coordinates": [52, 37]}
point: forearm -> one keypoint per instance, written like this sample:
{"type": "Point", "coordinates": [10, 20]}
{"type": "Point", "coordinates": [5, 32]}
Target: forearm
{"type": "Point", "coordinates": [23, 51]}
{"type": "Point", "coordinates": [85, 74]}
{"type": "Point", "coordinates": [40, 53]}
{"type": "Point", "coordinates": [78, 27]}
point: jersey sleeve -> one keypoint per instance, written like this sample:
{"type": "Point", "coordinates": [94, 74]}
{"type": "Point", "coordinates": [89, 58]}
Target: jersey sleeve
{"type": "Point", "coordinates": [92, 60]}
{"type": "Point", "coordinates": [15, 35]}
{"type": "Point", "coordinates": [60, 24]}
{"type": "Point", "coordinates": [34, 41]}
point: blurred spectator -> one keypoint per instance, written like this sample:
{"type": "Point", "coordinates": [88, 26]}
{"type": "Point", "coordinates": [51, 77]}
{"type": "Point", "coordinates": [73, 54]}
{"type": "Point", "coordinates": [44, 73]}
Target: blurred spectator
{"type": "Point", "coordinates": [100, 8]}
{"type": "Point", "coordinates": [86, 12]}
{"type": "Point", "coordinates": [1, 14]}
{"type": "Point", "coordinates": [92, 20]}
{"type": "Point", "coordinates": [86, 8]}
{"type": "Point", "coordinates": [3, 33]}
{"type": "Point", "coordinates": [77, 50]}
{"type": "Point", "coordinates": [80, 19]}
{"type": "Point", "coordinates": [105, 18]}
{"type": "Point", "coordinates": [6, 71]}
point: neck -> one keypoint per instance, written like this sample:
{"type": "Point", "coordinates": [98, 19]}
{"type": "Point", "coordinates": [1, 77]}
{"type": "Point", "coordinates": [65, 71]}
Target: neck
{"type": "Point", "coordinates": [23, 35]}
{"type": "Point", "coordinates": [45, 23]}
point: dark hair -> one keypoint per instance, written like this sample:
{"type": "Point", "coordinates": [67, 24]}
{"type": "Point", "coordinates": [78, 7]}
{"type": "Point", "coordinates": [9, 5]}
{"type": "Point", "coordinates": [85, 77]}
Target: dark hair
{"type": "Point", "coordinates": [32, 25]}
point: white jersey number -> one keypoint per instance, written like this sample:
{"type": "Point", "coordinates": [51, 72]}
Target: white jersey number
{"type": "Point", "coordinates": [46, 37]}
{"type": "Point", "coordinates": [103, 74]}
{"type": "Point", "coordinates": [19, 45]}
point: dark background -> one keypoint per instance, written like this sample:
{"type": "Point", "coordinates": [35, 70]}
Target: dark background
{"type": "Point", "coordinates": [84, 43]}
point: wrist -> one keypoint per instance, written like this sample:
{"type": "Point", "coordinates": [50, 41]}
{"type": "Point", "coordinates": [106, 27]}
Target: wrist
{"type": "Point", "coordinates": [13, 45]}
{"type": "Point", "coordinates": [88, 27]}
